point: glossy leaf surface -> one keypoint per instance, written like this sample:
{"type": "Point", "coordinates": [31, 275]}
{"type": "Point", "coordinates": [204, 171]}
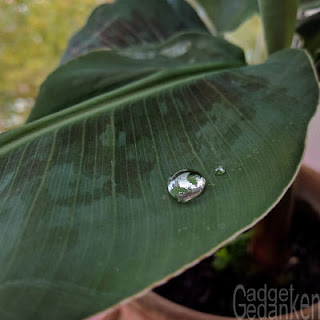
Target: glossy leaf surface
{"type": "Point", "coordinates": [85, 217]}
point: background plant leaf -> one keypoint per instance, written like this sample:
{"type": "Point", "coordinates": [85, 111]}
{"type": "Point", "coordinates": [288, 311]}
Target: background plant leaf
{"type": "Point", "coordinates": [309, 29]}
{"type": "Point", "coordinates": [85, 217]}
{"type": "Point", "coordinates": [103, 71]}
{"type": "Point", "coordinates": [224, 15]}
{"type": "Point", "coordinates": [131, 23]}
{"type": "Point", "coordinates": [308, 4]}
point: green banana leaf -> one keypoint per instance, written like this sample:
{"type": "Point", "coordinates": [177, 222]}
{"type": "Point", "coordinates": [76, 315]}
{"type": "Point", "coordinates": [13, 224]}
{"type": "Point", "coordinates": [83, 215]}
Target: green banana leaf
{"type": "Point", "coordinates": [86, 220]}
{"type": "Point", "coordinates": [85, 217]}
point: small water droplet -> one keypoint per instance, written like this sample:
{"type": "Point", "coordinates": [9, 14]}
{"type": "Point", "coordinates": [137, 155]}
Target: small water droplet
{"type": "Point", "coordinates": [186, 185]}
{"type": "Point", "coordinates": [221, 225]}
{"type": "Point", "coordinates": [219, 171]}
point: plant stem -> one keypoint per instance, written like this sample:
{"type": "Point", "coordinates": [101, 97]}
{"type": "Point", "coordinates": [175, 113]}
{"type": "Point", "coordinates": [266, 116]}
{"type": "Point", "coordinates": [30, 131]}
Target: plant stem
{"type": "Point", "coordinates": [279, 22]}
{"type": "Point", "coordinates": [270, 241]}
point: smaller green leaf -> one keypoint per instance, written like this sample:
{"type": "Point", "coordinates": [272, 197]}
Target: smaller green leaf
{"type": "Point", "coordinates": [124, 23]}
{"type": "Point", "coordinates": [102, 71]}
{"type": "Point", "coordinates": [279, 22]}
{"type": "Point", "coordinates": [224, 15]}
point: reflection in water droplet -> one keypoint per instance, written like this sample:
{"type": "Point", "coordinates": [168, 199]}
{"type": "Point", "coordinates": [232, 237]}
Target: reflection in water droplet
{"type": "Point", "coordinates": [219, 171]}
{"type": "Point", "coordinates": [186, 185]}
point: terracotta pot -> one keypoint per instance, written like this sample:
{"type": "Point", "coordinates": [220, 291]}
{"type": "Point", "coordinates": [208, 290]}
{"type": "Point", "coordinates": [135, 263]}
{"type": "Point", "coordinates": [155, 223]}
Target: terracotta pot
{"type": "Point", "coordinates": [312, 152]}
{"type": "Point", "coordinates": [154, 307]}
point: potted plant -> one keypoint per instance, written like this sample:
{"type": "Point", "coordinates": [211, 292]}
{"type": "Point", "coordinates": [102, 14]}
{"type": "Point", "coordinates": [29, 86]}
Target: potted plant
{"type": "Point", "coordinates": [151, 146]}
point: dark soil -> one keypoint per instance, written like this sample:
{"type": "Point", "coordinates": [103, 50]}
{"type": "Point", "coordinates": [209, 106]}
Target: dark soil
{"type": "Point", "coordinates": [207, 290]}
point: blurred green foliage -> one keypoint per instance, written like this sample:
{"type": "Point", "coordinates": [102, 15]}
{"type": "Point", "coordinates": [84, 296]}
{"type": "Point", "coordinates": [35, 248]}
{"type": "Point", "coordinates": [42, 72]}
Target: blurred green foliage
{"type": "Point", "coordinates": [231, 255]}
{"type": "Point", "coordinates": [33, 35]}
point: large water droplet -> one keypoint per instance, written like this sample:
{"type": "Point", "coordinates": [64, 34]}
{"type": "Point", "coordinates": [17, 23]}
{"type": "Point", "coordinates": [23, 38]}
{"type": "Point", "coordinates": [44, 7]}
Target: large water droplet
{"type": "Point", "coordinates": [219, 171]}
{"type": "Point", "coordinates": [186, 185]}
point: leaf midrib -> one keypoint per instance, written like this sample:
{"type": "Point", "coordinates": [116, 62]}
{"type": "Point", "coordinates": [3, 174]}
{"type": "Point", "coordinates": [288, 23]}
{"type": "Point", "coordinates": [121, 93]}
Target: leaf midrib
{"type": "Point", "coordinates": [154, 83]}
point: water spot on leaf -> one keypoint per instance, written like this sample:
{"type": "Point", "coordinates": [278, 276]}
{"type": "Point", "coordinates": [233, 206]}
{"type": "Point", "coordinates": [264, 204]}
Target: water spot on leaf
{"type": "Point", "coordinates": [176, 50]}
{"type": "Point", "coordinates": [139, 55]}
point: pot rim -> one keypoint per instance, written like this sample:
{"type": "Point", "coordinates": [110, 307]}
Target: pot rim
{"type": "Point", "coordinates": [174, 311]}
